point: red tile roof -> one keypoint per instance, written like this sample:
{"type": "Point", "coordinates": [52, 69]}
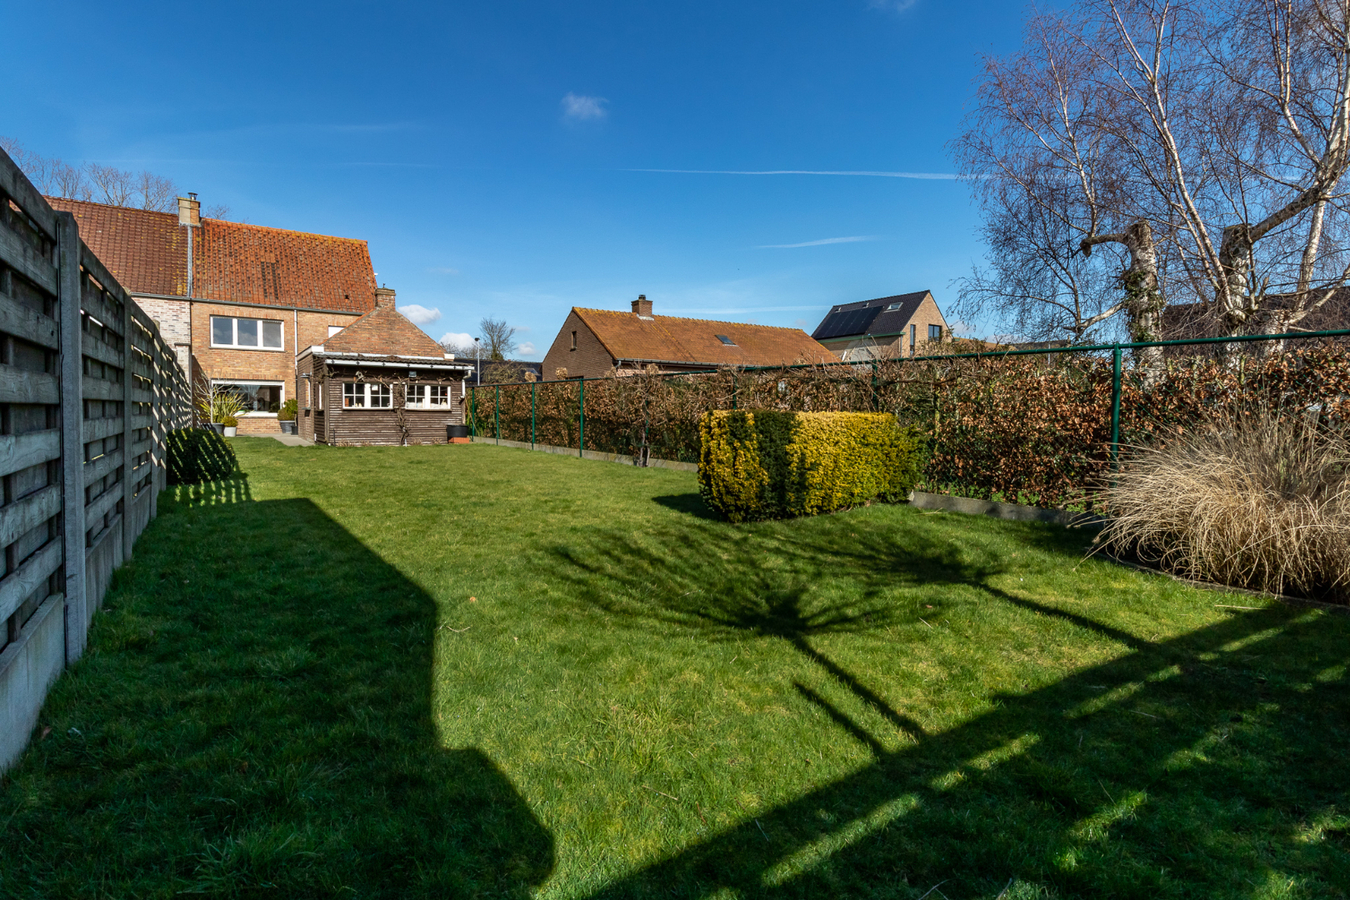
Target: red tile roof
{"type": "Point", "coordinates": [383, 332]}
{"type": "Point", "coordinates": [147, 252]}
{"type": "Point", "coordinates": [695, 341]}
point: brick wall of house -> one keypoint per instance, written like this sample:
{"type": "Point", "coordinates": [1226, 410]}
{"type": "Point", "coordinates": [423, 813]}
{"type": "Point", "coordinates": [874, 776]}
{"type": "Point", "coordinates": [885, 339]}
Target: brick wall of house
{"type": "Point", "coordinates": [590, 359]}
{"type": "Point", "coordinates": [174, 318]}
{"type": "Point", "coordinates": [259, 365]}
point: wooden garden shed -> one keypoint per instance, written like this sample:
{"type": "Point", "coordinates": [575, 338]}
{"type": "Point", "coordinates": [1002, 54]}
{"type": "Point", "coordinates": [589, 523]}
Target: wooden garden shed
{"type": "Point", "coordinates": [380, 380]}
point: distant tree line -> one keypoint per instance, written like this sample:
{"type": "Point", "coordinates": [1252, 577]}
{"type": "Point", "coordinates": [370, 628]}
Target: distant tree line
{"type": "Point", "coordinates": [100, 184]}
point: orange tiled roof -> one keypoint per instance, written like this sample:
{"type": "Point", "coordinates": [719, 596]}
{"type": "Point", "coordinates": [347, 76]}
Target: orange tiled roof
{"type": "Point", "coordinates": [384, 332]}
{"type": "Point", "coordinates": [696, 341]}
{"type": "Point", "coordinates": [147, 252]}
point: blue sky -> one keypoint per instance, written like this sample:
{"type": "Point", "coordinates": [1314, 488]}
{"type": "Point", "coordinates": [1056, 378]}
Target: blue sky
{"type": "Point", "coordinates": [504, 159]}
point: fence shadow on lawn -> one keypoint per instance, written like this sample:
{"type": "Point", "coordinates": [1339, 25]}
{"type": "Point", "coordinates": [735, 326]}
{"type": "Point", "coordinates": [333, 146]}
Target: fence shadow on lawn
{"type": "Point", "coordinates": [1195, 766]}
{"type": "Point", "coordinates": [254, 717]}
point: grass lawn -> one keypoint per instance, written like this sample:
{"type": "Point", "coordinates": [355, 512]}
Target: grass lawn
{"type": "Point", "coordinates": [478, 672]}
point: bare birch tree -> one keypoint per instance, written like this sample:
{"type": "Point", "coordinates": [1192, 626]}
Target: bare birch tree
{"type": "Point", "coordinates": [1202, 143]}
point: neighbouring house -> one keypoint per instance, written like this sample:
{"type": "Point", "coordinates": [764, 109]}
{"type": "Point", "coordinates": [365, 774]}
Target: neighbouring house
{"type": "Point", "coordinates": [380, 380]}
{"type": "Point", "coordinates": [597, 342]}
{"type": "Point", "coordinates": [238, 302]}
{"type": "Point", "coordinates": [884, 328]}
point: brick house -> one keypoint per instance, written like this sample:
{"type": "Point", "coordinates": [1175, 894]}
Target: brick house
{"type": "Point", "coordinates": [237, 302]}
{"type": "Point", "coordinates": [884, 328]}
{"type": "Point", "coordinates": [380, 380]}
{"type": "Point", "coordinates": [596, 342]}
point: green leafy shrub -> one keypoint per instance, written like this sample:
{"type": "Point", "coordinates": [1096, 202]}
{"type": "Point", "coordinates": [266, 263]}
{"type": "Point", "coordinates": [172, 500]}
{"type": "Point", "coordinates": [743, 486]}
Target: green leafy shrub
{"type": "Point", "coordinates": [230, 422]}
{"type": "Point", "coordinates": [288, 410]}
{"type": "Point", "coordinates": [1257, 501]}
{"type": "Point", "coordinates": [769, 465]}
{"type": "Point", "coordinates": [195, 455]}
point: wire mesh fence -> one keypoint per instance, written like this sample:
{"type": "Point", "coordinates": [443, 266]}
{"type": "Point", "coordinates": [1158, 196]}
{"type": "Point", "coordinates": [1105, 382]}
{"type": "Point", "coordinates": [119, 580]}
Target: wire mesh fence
{"type": "Point", "coordinates": [1043, 427]}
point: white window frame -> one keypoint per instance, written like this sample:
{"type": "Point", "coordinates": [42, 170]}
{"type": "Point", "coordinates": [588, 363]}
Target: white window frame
{"type": "Point", "coordinates": [427, 396]}
{"type": "Point", "coordinates": [367, 392]}
{"type": "Point", "coordinates": [221, 382]}
{"type": "Point", "coordinates": [234, 333]}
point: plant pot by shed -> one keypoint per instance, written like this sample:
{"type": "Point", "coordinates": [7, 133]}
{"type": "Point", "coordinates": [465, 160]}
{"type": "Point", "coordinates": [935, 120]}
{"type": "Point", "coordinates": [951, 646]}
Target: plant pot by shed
{"type": "Point", "coordinates": [219, 427]}
{"type": "Point", "coordinates": [457, 431]}
{"type": "Point", "coordinates": [288, 426]}
{"type": "Point", "coordinates": [230, 430]}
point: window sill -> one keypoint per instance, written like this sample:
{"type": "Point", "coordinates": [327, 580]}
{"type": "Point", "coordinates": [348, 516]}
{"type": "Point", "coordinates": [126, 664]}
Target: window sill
{"type": "Point", "coordinates": [250, 349]}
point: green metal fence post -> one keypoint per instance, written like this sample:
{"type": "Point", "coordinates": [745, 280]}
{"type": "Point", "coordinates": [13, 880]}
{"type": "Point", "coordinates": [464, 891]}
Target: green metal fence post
{"type": "Point", "coordinates": [1115, 404]}
{"type": "Point", "coordinates": [497, 414]}
{"type": "Point", "coordinates": [581, 416]}
{"type": "Point", "coordinates": [533, 386]}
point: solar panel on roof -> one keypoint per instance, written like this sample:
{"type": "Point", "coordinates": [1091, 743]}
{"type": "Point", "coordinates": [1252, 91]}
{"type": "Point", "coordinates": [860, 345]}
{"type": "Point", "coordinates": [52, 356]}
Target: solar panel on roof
{"type": "Point", "coordinates": [852, 321]}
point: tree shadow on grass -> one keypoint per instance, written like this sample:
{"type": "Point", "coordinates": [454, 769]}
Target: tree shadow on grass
{"type": "Point", "coordinates": [254, 718]}
{"type": "Point", "coordinates": [1213, 764]}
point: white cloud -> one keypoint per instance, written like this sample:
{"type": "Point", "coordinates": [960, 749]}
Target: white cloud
{"type": "Point", "coordinates": [420, 315]}
{"type": "Point", "coordinates": [580, 108]}
{"type": "Point", "coordinates": [459, 339]}
{"type": "Point", "coordinates": [820, 243]}
{"type": "Point", "coordinates": [923, 176]}
{"type": "Point", "coordinates": [802, 324]}
{"type": "Point", "coordinates": [892, 5]}
{"type": "Point", "coordinates": [960, 328]}
{"type": "Point", "coordinates": [527, 348]}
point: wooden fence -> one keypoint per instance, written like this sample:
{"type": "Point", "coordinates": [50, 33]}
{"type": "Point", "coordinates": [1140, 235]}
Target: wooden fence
{"type": "Point", "coordinates": [88, 391]}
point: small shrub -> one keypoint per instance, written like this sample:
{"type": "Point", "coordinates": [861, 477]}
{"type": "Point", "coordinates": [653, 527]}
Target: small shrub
{"type": "Point", "coordinates": [288, 411]}
{"type": "Point", "coordinates": [195, 455]}
{"type": "Point", "coordinates": [230, 422]}
{"type": "Point", "coordinates": [768, 465]}
{"type": "Point", "coordinates": [1258, 502]}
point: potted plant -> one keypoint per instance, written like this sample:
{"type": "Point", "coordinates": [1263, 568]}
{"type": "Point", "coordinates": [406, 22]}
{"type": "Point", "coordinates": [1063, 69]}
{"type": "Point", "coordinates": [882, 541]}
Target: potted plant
{"type": "Point", "coordinates": [286, 417]}
{"type": "Point", "coordinates": [220, 406]}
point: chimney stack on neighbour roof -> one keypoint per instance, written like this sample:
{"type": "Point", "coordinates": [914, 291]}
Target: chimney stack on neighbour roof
{"type": "Point", "coordinates": [190, 211]}
{"type": "Point", "coordinates": [384, 297]}
{"type": "Point", "coordinates": [642, 306]}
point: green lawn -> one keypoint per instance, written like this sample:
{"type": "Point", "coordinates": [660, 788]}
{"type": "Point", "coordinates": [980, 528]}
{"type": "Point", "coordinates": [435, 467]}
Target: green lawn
{"type": "Point", "coordinates": [478, 672]}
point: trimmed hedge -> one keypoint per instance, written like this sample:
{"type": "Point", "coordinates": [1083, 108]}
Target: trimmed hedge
{"type": "Point", "coordinates": [195, 455]}
{"type": "Point", "coordinates": [773, 465]}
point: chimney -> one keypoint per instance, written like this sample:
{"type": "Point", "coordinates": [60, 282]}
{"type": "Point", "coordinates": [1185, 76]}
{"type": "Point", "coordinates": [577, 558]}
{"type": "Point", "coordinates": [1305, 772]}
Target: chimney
{"type": "Point", "coordinates": [642, 306]}
{"type": "Point", "coordinates": [384, 298]}
{"type": "Point", "coordinates": [190, 211]}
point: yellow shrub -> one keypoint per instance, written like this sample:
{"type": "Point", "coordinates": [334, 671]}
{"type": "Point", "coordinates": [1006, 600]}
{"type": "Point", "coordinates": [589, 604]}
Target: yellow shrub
{"type": "Point", "coordinates": [768, 464]}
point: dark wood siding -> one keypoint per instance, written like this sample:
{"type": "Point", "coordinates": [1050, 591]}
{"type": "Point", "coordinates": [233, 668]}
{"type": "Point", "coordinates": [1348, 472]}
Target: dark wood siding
{"type": "Point", "coordinates": [338, 426]}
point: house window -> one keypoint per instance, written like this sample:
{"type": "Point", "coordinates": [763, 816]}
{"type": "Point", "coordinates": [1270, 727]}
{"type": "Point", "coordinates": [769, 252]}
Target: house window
{"type": "Point", "coordinates": [334, 329]}
{"type": "Point", "coordinates": [893, 307]}
{"type": "Point", "coordinates": [428, 396]}
{"type": "Point", "coordinates": [257, 396]}
{"type": "Point", "coordinates": [574, 340]}
{"type": "Point", "coordinates": [935, 332]}
{"type": "Point", "coordinates": [913, 334]}
{"type": "Point", "coordinates": [364, 395]}
{"type": "Point", "coordinates": [309, 390]}
{"type": "Point", "coordinates": [246, 334]}
{"type": "Point", "coordinates": [726, 340]}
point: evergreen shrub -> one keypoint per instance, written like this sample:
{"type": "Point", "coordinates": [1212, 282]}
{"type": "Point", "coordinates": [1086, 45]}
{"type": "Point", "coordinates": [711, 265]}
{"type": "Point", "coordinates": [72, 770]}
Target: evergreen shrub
{"type": "Point", "coordinates": [771, 465]}
{"type": "Point", "coordinates": [195, 455]}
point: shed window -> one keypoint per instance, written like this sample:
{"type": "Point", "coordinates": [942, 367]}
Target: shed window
{"type": "Point", "coordinates": [726, 340]}
{"type": "Point", "coordinates": [358, 395]}
{"type": "Point", "coordinates": [246, 334]}
{"type": "Point", "coordinates": [428, 396]}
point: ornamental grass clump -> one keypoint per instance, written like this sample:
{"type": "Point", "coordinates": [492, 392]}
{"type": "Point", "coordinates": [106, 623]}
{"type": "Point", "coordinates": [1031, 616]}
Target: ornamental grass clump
{"type": "Point", "coordinates": [1260, 502]}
